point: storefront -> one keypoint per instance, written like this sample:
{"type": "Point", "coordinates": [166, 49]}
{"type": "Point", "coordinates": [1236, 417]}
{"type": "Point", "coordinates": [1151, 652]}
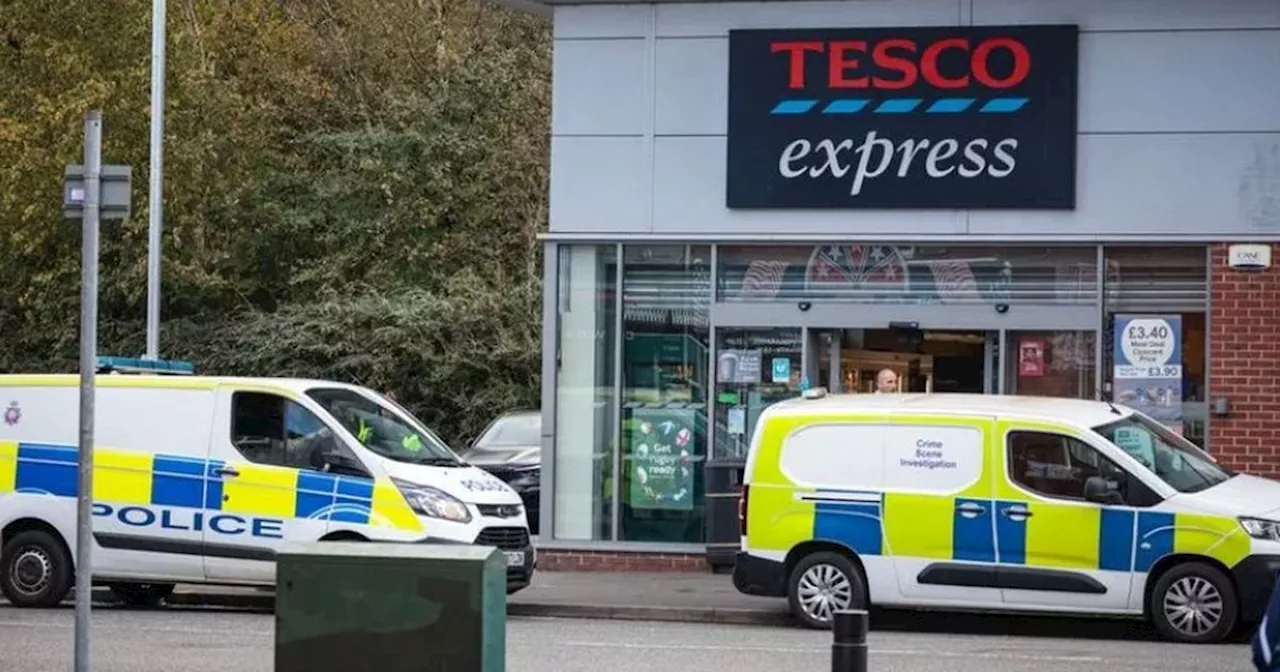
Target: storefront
{"type": "Point", "coordinates": [995, 197]}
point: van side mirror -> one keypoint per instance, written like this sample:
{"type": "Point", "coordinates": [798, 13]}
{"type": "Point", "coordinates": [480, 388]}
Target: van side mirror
{"type": "Point", "coordinates": [1102, 491]}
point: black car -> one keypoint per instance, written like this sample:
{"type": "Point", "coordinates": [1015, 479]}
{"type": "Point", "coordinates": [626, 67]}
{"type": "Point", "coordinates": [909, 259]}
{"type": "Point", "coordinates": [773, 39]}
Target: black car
{"type": "Point", "coordinates": [511, 449]}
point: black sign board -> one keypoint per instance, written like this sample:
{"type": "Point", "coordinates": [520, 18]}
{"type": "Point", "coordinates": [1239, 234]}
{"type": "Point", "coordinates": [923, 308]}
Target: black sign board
{"type": "Point", "coordinates": [944, 117]}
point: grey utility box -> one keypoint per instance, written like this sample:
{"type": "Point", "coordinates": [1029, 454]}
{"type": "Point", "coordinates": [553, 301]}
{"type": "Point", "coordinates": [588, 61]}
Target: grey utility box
{"type": "Point", "coordinates": [387, 607]}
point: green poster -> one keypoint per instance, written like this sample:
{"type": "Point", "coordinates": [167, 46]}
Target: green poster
{"type": "Point", "coordinates": [661, 458]}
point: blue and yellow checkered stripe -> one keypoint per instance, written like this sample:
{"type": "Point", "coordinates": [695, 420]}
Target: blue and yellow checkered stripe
{"type": "Point", "coordinates": [128, 477]}
{"type": "Point", "coordinates": [1116, 539]}
{"type": "Point", "coordinates": [933, 527]}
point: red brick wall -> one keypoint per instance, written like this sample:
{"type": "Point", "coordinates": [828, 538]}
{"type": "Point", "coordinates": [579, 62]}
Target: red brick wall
{"type": "Point", "coordinates": [1244, 365]}
{"type": "Point", "coordinates": [611, 561]}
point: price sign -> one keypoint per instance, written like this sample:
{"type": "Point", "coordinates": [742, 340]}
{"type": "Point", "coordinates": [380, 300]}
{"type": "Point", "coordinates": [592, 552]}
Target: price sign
{"type": "Point", "coordinates": [1148, 349]}
{"type": "Point", "coordinates": [1147, 365]}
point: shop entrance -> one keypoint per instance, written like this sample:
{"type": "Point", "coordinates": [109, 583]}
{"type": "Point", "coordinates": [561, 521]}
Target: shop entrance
{"type": "Point", "coordinates": [761, 356]}
{"type": "Point", "coordinates": [914, 360]}
{"type": "Point", "coordinates": [758, 367]}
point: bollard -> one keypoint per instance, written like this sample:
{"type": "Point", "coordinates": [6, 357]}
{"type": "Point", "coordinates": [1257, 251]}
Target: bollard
{"type": "Point", "coordinates": [849, 641]}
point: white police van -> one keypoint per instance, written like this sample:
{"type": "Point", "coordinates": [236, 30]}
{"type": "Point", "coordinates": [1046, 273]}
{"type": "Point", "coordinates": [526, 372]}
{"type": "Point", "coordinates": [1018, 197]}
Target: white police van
{"type": "Point", "coordinates": [202, 479]}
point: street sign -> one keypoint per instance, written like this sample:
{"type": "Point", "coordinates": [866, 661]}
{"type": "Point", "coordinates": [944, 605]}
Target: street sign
{"type": "Point", "coordinates": [117, 184]}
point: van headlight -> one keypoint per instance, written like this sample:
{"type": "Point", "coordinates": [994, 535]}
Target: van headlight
{"type": "Point", "coordinates": [1259, 528]}
{"type": "Point", "coordinates": [433, 502]}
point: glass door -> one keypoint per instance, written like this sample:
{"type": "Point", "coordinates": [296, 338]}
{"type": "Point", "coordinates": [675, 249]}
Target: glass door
{"type": "Point", "coordinates": [755, 368]}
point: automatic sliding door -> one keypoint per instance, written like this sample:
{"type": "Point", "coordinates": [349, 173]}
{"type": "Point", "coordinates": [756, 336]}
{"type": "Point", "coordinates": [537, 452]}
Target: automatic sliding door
{"type": "Point", "coordinates": [755, 368]}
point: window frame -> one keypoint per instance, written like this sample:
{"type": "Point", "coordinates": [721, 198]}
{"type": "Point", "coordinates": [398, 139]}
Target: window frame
{"type": "Point", "coordinates": [285, 401]}
{"type": "Point", "coordinates": [1156, 495]}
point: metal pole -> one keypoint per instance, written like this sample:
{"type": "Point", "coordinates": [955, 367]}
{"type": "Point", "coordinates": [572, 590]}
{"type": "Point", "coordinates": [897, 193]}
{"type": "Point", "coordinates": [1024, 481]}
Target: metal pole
{"type": "Point", "coordinates": [155, 209]}
{"type": "Point", "coordinates": [88, 357]}
{"type": "Point", "coordinates": [849, 641]}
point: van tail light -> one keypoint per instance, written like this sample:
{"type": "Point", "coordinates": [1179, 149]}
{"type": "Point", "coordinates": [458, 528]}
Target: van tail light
{"type": "Point", "coordinates": [742, 510]}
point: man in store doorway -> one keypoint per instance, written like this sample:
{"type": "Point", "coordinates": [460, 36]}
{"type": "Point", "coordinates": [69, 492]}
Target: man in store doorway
{"type": "Point", "coordinates": [886, 382]}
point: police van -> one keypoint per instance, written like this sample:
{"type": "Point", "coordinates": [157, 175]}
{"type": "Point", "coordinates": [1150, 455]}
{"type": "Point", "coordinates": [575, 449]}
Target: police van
{"type": "Point", "coordinates": [202, 479]}
{"type": "Point", "coordinates": [1001, 503]}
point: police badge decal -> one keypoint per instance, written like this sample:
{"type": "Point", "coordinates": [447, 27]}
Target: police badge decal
{"type": "Point", "coordinates": [13, 414]}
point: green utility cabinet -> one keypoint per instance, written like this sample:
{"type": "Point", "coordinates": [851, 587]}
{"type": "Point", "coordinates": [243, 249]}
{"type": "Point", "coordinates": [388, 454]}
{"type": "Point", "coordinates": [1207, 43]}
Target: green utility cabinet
{"type": "Point", "coordinates": [388, 607]}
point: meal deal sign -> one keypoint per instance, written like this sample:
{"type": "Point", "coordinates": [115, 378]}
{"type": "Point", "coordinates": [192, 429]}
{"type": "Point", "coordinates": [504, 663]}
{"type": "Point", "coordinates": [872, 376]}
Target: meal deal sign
{"type": "Point", "coordinates": [1147, 359]}
{"type": "Point", "coordinates": [954, 117]}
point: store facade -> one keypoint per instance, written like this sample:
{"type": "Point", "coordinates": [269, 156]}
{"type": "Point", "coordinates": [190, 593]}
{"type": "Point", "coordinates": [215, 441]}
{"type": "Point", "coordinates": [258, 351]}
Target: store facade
{"type": "Point", "coordinates": [748, 199]}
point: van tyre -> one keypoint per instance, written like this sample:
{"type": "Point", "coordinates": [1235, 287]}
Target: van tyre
{"type": "Point", "coordinates": [142, 594]}
{"type": "Point", "coordinates": [1194, 603]}
{"type": "Point", "coordinates": [823, 583]}
{"type": "Point", "coordinates": [37, 570]}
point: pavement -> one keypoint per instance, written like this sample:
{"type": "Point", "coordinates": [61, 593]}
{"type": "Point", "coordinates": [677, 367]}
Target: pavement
{"type": "Point", "coordinates": [699, 598]}
{"type": "Point", "coordinates": [204, 640]}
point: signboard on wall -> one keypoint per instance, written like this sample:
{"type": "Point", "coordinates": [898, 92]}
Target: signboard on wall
{"type": "Point", "coordinates": [1147, 360]}
{"type": "Point", "coordinates": [940, 117]}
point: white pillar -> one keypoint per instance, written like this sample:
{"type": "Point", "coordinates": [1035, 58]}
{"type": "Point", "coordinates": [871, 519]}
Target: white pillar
{"type": "Point", "coordinates": [581, 432]}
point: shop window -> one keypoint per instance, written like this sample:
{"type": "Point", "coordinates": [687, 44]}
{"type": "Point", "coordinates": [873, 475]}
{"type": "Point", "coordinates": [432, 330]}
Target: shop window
{"type": "Point", "coordinates": [586, 404]}
{"type": "Point", "coordinates": [872, 273]}
{"type": "Point", "coordinates": [665, 380]}
{"type": "Point", "coordinates": [1167, 285]}
{"type": "Point", "coordinates": [1051, 364]}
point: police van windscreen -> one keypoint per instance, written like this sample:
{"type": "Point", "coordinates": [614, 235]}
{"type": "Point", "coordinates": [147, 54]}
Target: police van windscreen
{"type": "Point", "coordinates": [1172, 458]}
{"type": "Point", "coordinates": [388, 430]}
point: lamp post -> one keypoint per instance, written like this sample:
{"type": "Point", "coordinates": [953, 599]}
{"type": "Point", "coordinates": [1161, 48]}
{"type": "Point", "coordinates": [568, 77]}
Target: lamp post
{"type": "Point", "coordinates": [155, 194]}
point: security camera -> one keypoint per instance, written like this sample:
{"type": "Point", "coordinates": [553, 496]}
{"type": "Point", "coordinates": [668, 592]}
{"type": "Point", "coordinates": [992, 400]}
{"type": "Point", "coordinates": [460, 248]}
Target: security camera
{"type": "Point", "coordinates": [1002, 308]}
{"type": "Point", "coordinates": [804, 305]}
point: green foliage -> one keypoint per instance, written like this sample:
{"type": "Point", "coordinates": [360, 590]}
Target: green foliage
{"type": "Point", "coordinates": [353, 190]}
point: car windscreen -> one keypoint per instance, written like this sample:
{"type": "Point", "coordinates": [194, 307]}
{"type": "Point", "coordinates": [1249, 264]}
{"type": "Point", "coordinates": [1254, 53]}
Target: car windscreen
{"type": "Point", "coordinates": [385, 428]}
{"type": "Point", "coordinates": [512, 431]}
{"type": "Point", "coordinates": [1172, 458]}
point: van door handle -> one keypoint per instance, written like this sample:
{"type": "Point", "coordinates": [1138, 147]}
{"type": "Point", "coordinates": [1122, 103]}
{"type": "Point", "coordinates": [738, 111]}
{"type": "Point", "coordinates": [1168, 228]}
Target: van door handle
{"type": "Point", "coordinates": [1017, 512]}
{"type": "Point", "coordinates": [970, 509]}
{"type": "Point", "coordinates": [226, 471]}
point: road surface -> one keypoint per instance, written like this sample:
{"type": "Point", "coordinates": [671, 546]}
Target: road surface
{"type": "Point", "coordinates": [192, 640]}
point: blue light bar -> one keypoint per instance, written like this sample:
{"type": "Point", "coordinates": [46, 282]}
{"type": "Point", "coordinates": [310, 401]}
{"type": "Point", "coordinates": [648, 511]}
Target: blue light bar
{"type": "Point", "coordinates": [138, 365]}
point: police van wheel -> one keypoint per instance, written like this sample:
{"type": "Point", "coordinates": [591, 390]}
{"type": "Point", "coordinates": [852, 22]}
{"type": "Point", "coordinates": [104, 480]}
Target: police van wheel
{"type": "Point", "coordinates": [1194, 603]}
{"type": "Point", "coordinates": [37, 570]}
{"type": "Point", "coordinates": [821, 584]}
{"type": "Point", "coordinates": [142, 594]}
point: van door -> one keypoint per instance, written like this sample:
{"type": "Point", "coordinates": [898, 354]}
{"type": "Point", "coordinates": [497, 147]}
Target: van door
{"type": "Point", "coordinates": [939, 509]}
{"type": "Point", "coordinates": [1055, 548]}
{"type": "Point", "coordinates": [263, 457]}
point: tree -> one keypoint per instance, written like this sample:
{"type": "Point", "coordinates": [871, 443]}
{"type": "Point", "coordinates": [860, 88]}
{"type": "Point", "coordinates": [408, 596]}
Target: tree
{"type": "Point", "coordinates": [335, 178]}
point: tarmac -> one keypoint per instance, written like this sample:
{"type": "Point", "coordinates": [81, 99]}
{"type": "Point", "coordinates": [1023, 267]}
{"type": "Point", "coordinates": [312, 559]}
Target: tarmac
{"type": "Point", "coordinates": [697, 598]}
{"type": "Point", "coordinates": [662, 596]}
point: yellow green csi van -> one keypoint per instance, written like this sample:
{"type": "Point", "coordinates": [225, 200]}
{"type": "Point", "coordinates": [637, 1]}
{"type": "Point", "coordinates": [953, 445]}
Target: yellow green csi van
{"type": "Point", "coordinates": [1005, 503]}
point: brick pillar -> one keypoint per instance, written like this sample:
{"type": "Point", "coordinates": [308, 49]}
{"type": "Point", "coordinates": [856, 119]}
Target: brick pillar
{"type": "Point", "coordinates": [1244, 365]}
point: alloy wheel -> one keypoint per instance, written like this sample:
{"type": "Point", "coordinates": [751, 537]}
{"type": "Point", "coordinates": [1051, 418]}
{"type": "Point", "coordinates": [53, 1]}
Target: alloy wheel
{"type": "Point", "coordinates": [1193, 606]}
{"type": "Point", "coordinates": [822, 590]}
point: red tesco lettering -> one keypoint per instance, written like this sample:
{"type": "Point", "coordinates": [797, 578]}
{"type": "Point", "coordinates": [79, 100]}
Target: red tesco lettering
{"type": "Point", "coordinates": [905, 60]}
